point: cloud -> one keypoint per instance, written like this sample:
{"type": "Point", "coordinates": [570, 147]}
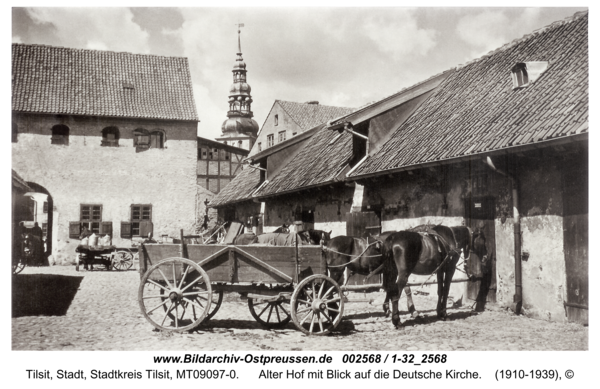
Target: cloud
{"type": "Point", "coordinates": [399, 35]}
{"type": "Point", "coordinates": [490, 29]}
{"type": "Point", "coordinates": [94, 28]}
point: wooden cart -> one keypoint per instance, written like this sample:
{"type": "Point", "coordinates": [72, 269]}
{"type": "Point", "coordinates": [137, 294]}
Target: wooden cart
{"type": "Point", "coordinates": [183, 284]}
{"type": "Point", "coordinates": [108, 256]}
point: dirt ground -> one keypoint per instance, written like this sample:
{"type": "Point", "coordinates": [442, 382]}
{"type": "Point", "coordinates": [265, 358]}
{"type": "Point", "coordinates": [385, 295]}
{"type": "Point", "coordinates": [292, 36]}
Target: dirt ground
{"type": "Point", "coordinates": [58, 308]}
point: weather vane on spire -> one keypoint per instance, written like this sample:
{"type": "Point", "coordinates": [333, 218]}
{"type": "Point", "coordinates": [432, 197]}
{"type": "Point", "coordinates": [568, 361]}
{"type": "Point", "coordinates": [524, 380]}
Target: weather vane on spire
{"type": "Point", "coordinates": [239, 25]}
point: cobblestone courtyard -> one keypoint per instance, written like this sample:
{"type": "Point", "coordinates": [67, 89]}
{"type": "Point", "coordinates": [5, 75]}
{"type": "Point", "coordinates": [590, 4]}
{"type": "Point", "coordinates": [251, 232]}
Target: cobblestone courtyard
{"type": "Point", "coordinates": [58, 308]}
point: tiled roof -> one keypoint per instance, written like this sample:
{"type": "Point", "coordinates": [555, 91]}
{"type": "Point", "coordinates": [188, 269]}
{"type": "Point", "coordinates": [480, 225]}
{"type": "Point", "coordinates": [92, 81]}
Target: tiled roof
{"type": "Point", "coordinates": [238, 189]}
{"type": "Point", "coordinates": [475, 110]}
{"type": "Point", "coordinates": [60, 80]}
{"type": "Point", "coordinates": [324, 157]}
{"type": "Point", "coordinates": [19, 182]}
{"type": "Point", "coordinates": [308, 116]}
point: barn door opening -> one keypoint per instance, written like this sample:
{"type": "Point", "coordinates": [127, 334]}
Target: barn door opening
{"type": "Point", "coordinates": [480, 212]}
{"type": "Point", "coordinates": [360, 225]}
{"type": "Point", "coordinates": [575, 232]}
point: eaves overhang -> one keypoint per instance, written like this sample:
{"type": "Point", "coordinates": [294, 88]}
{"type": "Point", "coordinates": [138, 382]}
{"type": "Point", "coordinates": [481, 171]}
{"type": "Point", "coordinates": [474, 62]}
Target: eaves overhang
{"type": "Point", "coordinates": [480, 155]}
{"type": "Point", "coordinates": [390, 102]}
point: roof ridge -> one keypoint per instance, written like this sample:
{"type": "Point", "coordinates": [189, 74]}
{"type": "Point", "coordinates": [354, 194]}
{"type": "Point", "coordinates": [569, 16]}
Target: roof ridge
{"type": "Point", "coordinates": [316, 105]}
{"type": "Point", "coordinates": [506, 46]}
{"type": "Point", "coordinates": [405, 89]}
{"type": "Point", "coordinates": [95, 50]}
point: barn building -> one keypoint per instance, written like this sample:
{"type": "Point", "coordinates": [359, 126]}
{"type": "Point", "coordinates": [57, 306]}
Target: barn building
{"type": "Point", "coordinates": [109, 137]}
{"type": "Point", "coordinates": [499, 143]}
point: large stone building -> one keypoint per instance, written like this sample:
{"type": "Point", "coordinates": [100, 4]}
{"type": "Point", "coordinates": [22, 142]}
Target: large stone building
{"type": "Point", "coordinates": [500, 143]}
{"type": "Point", "coordinates": [109, 137]}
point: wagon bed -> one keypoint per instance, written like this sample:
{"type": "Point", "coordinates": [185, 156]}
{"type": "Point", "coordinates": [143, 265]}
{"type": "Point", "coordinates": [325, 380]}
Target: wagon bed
{"type": "Point", "coordinates": [183, 284]}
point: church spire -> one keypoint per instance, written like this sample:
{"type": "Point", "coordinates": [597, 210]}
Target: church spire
{"type": "Point", "coordinates": [240, 122]}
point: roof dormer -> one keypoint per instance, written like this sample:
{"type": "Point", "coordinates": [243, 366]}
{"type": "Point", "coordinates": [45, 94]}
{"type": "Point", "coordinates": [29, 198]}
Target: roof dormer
{"type": "Point", "coordinates": [525, 73]}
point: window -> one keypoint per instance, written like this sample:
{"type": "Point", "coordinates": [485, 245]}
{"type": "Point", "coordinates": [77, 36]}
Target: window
{"type": "Point", "coordinates": [45, 207]}
{"type": "Point", "coordinates": [110, 137]}
{"type": "Point", "coordinates": [240, 144]}
{"type": "Point", "coordinates": [141, 139]}
{"type": "Point", "coordinates": [60, 135]}
{"type": "Point", "coordinates": [91, 216]}
{"type": "Point", "coordinates": [519, 75]}
{"type": "Point", "coordinates": [15, 133]}
{"type": "Point", "coordinates": [202, 153]}
{"type": "Point", "coordinates": [276, 120]}
{"type": "Point", "coordinates": [139, 213]}
{"type": "Point", "coordinates": [281, 136]}
{"type": "Point", "coordinates": [157, 140]}
{"type": "Point", "coordinates": [45, 230]}
{"type": "Point", "coordinates": [525, 73]}
{"type": "Point", "coordinates": [270, 140]}
{"type": "Point", "coordinates": [259, 147]}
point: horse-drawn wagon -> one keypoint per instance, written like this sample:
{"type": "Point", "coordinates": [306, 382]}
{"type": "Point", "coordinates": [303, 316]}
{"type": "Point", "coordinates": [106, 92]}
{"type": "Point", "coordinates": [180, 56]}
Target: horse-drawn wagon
{"type": "Point", "coordinates": [183, 284]}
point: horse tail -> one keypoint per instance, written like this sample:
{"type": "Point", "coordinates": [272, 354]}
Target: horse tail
{"type": "Point", "coordinates": [390, 271]}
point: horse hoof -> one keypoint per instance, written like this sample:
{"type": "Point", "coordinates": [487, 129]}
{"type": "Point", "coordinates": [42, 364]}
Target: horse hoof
{"type": "Point", "coordinates": [396, 320]}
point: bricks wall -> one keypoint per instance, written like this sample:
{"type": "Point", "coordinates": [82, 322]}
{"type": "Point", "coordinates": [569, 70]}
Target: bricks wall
{"type": "Point", "coordinates": [84, 172]}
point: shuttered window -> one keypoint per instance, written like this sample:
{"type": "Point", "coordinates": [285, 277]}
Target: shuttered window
{"type": "Point", "coordinates": [139, 213]}
{"type": "Point", "coordinates": [91, 216]}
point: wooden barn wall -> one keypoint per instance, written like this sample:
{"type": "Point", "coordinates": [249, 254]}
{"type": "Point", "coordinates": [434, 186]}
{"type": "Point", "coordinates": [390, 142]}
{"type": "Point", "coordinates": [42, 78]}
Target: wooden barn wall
{"type": "Point", "coordinates": [438, 196]}
{"type": "Point", "coordinates": [328, 204]}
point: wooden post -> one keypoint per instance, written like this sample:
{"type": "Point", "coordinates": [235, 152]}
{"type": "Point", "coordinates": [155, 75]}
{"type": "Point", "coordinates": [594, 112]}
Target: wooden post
{"type": "Point", "coordinates": [296, 274]}
{"type": "Point", "coordinates": [231, 265]}
{"type": "Point", "coordinates": [182, 248]}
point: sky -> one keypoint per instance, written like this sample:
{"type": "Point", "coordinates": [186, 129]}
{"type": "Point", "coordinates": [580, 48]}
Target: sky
{"type": "Point", "coordinates": [345, 57]}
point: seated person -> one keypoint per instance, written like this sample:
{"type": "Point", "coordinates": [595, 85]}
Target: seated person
{"type": "Point", "coordinates": [149, 239]}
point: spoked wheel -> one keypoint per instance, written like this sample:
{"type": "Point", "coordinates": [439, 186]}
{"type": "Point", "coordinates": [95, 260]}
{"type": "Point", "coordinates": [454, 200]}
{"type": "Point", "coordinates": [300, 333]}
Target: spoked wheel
{"type": "Point", "coordinates": [175, 295]}
{"type": "Point", "coordinates": [217, 299]}
{"type": "Point", "coordinates": [271, 314]}
{"type": "Point", "coordinates": [317, 305]}
{"type": "Point", "coordinates": [122, 260]}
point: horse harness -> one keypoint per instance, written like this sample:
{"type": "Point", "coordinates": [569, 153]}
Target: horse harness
{"type": "Point", "coordinates": [325, 248]}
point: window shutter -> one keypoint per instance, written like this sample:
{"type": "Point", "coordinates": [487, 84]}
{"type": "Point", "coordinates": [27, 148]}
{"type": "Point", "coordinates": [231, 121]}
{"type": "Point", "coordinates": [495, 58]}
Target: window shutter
{"type": "Point", "coordinates": [126, 230]}
{"type": "Point", "coordinates": [106, 228]}
{"type": "Point", "coordinates": [146, 226]}
{"type": "Point", "coordinates": [74, 230]}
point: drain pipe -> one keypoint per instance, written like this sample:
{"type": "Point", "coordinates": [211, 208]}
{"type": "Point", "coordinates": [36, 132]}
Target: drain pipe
{"type": "Point", "coordinates": [518, 297]}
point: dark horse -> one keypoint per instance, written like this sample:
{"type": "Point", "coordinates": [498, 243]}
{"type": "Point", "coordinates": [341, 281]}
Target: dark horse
{"type": "Point", "coordinates": [358, 255]}
{"type": "Point", "coordinates": [347, 252]}
{"type": "Point", "coordinates": [316, 236]}
{"type": "Point", "coordinates": [425, 250]}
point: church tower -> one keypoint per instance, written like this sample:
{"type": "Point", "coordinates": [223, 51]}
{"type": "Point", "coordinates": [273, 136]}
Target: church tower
{"type": "Point", "coordinates": [239, 130]}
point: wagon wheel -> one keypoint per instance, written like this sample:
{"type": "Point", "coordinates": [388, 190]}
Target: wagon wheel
{"type": "Point", "coordinates": [175, 295]}
{"type": "Point", "coordinates": [217, 299]}
{"type": "Point", "coordinates": [317, 305]}
{"type": "Point", "coordinates": [122, 260]}
{"type": "Point", "coordinates": [271, 314]}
